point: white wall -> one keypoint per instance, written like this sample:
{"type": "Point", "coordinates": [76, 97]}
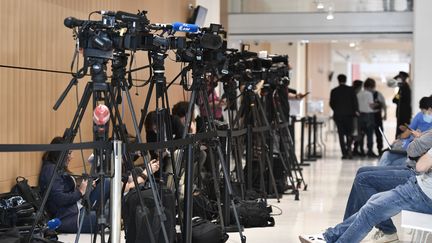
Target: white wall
{"type": "Point", "coordinates": [422, 85]}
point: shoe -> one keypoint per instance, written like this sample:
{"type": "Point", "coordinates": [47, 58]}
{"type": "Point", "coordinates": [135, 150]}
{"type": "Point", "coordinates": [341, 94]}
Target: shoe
{"type": "Point", "coordinates": [380, 237]}
{"type": "Point", "coordinates": [318, 238]}
{"type": "Point", "coordinates": [371, 154]}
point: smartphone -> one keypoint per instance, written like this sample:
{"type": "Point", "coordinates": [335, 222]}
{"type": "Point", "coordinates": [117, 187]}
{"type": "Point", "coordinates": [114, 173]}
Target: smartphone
{"type": "Point", "coordinates": [407, 126]}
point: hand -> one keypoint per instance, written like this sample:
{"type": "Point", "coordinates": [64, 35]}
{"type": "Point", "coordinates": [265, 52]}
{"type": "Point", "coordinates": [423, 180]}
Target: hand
{"type": "Point", "coordinates": [192, 127]}
{"type": "Point", "coordinates": [83, 186]}
{"type": "Point", "coordinates": [357, 113]}
{"type": "Point", "coordinates": [416, 134]}
{"type": "Point", "coordinates": [402, 128]}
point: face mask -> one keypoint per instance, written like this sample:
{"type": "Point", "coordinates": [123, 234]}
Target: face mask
{"type": "Point", "coordinates": [427, 118]}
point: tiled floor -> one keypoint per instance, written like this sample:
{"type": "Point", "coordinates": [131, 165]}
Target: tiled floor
{"type": "Point", "coordinates": [320, 207]}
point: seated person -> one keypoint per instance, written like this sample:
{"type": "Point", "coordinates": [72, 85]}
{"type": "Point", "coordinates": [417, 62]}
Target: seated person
{"type": "Point", "coordinates": [415, 195]}
{"type": "Point", "coordinates": [421, 123]}
{"type": "Point", "coordinates": [374, 179]}
{"type": "Point", "coordinates": [64, 200]}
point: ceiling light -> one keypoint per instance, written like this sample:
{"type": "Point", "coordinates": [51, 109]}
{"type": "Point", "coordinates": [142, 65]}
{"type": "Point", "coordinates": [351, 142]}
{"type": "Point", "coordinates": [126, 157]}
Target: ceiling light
{"type": "Point", "coordinates": [352, 44]}
{"type": "Point", "coordinates": [320, 5]}
{"type": "Point", "coordinates": [330, 15]}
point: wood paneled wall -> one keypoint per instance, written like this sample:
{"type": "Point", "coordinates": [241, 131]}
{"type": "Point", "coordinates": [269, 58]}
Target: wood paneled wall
{"type": "Point", "coordinates": [33, 35]}
{"type": "Point", "coordinates": [318, 68]}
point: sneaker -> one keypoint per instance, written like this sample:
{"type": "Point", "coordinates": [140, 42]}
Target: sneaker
{"type": "Point", "coordinates": [319, 238]}
{"type": "Point", "coordinates": [380, 237]}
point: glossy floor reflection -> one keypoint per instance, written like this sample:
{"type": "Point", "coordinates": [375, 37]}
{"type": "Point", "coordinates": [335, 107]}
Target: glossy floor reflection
{"type": "Point", "coordinates": [321, 206]}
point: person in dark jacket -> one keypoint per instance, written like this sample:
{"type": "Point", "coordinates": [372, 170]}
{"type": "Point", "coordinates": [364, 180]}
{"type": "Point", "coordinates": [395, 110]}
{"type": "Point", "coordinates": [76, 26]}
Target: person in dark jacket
{"type": "Point", "coordinates": [64, 200]}
{"type": "Point", "coordinates": [403, 102]}
{"type": "Point", "coordinates": [343, 102]}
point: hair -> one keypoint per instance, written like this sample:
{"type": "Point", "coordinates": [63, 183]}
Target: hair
{"type": "Point", "coordinates": [425, 103]}
{"type": "Point", "coordinates": [369, 83]}
{"type": "Point", "coordinates": [150, 121]}
{"type": "Point", "coordinates": [357, 84]}
{"type": "Point", "coordinates": [53, 156]}
{"type": "Point", "coordinates": [342, 78]}
{"type": "Point", "coordinates": [180, 109]}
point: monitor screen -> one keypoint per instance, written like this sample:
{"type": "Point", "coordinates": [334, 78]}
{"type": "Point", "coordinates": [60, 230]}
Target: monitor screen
{"type": "Point", "coordinates": [199, 16]}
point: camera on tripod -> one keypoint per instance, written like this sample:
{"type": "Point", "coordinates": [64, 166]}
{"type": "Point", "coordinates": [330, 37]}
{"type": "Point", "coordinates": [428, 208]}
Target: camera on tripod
{"type": "Point", "coordinates": [200, 43]}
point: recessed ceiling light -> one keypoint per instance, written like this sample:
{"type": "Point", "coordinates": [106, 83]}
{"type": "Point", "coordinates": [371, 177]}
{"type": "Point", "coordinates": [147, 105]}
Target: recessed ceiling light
{"type": "Point", "coordinates": [320, 5]}
{"type": "Point", "coordinates": [330, 16]}
{"type": "Point", "coordinates": [352, 44]}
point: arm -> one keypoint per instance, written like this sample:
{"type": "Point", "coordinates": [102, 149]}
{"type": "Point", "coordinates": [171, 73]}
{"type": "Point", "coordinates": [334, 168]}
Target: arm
{"type": "Point", "coordinates": [420, 145]}
{"type": "Point", "coordinates": [425, 162]}
{"type": "Point", "coordinates": [332, 101]}
{"type": "Point", "coordinates": [57, 194]}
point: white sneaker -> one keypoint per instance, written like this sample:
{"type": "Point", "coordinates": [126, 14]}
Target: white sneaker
{"type": "Point", "coordinates": [380, 237]}
{"type": "Point", "coordinates": [318, 238]}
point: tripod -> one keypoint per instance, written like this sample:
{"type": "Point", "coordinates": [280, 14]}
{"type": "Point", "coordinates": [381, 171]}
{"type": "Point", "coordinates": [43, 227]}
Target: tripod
{"type": "Point", "coordinates": [199, 91]}
{"type": "Point", "coordinates": [101, 91]}
{"type": "Point", "coordinates": [254, 118]}
{"type": "Point", "coordinates": [279, 101]}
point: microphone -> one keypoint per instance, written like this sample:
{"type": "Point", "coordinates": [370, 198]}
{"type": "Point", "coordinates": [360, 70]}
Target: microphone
{"type": "Point", "coordinates": [54, 224]}
{"type": "Point", "coordinates": [183, 27]}
{"type": "Point", "coordinates": [101, 115]}
{"type": "Point", "coordinates": [72, 22]}
{"type": "Point", "coordinates": [224, 69]}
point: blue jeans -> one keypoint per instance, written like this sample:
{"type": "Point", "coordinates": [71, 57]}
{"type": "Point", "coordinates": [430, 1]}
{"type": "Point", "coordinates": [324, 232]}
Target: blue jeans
{"type": "Point", "coordinates": [371, 180]}
{"type": "Point", "coordinates": [380, 207]}
{"type": "Point", "coordinates": [392, 159]}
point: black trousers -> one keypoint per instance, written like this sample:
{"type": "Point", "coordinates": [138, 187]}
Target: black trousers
{"type": "Point", "coordinates": [378, 125]}
{"type": "Point", "coordinates": [345, 130]}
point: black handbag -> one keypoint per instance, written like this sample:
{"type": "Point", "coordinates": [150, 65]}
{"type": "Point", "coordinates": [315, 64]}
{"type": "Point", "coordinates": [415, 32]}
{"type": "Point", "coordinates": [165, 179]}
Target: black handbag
{"type": "Point", "coordinates": [204, 231]}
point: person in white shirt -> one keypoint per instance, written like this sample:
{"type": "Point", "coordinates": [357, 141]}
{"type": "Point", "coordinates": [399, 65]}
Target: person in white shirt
{"type": "Point", "coordinates": [367, 114]}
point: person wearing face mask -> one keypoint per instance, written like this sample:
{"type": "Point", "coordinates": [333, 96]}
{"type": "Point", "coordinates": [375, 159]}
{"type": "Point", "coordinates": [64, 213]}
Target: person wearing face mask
{"type": "Point", "coordinates": [403, 102]}
{"type": "Point", "coordinates": [421, 123]}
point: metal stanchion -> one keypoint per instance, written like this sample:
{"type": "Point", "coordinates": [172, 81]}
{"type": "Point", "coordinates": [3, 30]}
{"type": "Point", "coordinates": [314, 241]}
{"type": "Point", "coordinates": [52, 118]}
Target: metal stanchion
{"type": "Point", "coordinates": [116, 190]}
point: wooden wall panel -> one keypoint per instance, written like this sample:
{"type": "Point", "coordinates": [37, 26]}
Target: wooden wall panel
{"type": "Point", "coordinates": [318, 67]}
{"type": "Point", "coordinates": [33, 35]}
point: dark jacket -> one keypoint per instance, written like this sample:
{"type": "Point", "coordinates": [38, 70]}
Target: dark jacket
{"type": "Point", "coordinates": [343, 101]}
{"type": "Point", "coordinates": [403, 102]}
{"type": "Point", "coordinates": [63, 198]}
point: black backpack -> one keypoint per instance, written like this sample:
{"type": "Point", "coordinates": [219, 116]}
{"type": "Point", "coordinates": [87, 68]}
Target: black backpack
{"type": "Point", "coordinates": [136, 230]}
{"type": "Point", "coordinates": [204, 231]}
{"type": "Point", "coordinates": [253, 213]}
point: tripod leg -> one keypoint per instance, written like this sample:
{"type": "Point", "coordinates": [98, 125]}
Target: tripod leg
{"type": "Point", "coordinates": [69, 136]}
{"type": "Point", "coordinates": [268, 159]}
{"type": "Point", "coordinates": [187, 223]}
{"type": "Point", "coordinates": [216, 186]}
{"type": "Point", "coordinates": [212, 127]}
{"type": "Point", "coordinates": [122, 134]}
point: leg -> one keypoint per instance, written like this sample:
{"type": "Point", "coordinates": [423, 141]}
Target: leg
{"type": "Point", "coordinates": [370, 183]}
{"type": "Point", "coordinates": [340, 128]}
{"type": "Point", "coordinates": [357, 198]}
{"type": "Point", "coordinates": [380, 207]}
{"type": "Point", "coordinates": [392, 159]}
